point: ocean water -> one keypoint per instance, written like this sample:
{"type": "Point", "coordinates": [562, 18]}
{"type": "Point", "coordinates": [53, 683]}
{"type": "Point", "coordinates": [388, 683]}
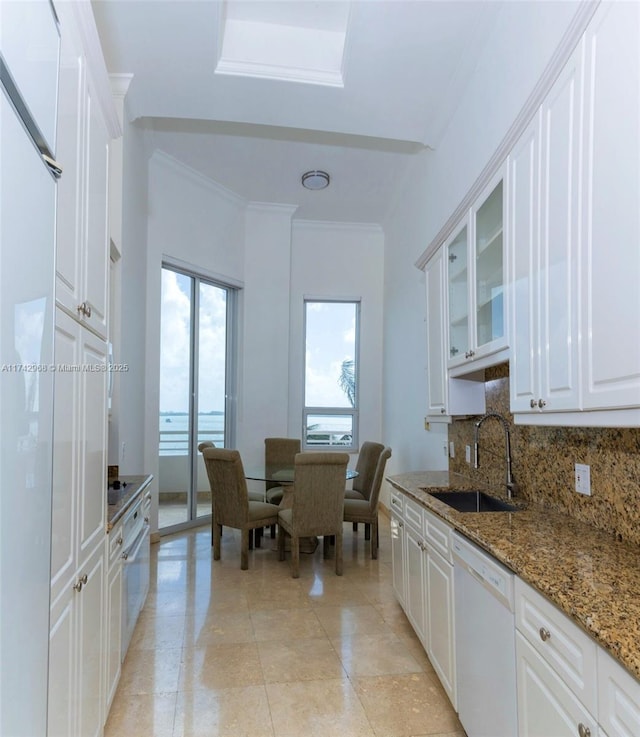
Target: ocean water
{"type": "Point", "coordinates": [174, 432]}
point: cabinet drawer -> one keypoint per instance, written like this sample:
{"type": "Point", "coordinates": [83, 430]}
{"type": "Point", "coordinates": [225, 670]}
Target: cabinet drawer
{"type": "Point", "coordinates": [567, 649]}
{"type": "Point", "coordinates": [618, 698]}
{"type": "Point", "coordinates": [413, 514]}
{"type": "Point", "coordinates": [397, 502]}
{"type": "Point", "coordinates": [438, 534]}
{"type": "Point", "coordinates": [115, 542]}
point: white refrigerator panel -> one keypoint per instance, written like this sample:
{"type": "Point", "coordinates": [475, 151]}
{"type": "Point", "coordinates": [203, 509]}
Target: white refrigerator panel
{"type": "Point", "coordinates": [27, 245]}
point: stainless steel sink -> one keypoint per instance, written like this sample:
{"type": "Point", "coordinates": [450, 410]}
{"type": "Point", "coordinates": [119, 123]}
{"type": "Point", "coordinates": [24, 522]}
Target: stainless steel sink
{"type": "Point", "coordinates": [473, 501]}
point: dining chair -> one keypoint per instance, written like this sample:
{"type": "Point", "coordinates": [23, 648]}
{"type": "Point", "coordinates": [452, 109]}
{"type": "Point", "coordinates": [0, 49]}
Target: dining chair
{"type": "Point", "coordinates": [317, 505]}
{"type": "Point", "coordinates": [254, 496]}
{"type": "Point", "coordinates": [366, 470]}
{"type": "Point", "coordinates": [231, 506]}
{"type": "Point", "coordinates": [279, 453]}
{"type": "Point", "coordinates": [366, 510]}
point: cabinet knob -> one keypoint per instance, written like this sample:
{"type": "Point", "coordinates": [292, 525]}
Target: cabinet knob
{"type": "Point", "coordinates": [442, 411]}
{"type": "Point", "coordinates": [84, 309]}
{"type": "Point", "coordinates": [80, 583]}
{"type": "Point", "coordinates": [583, 731]}
{"type": "Point", "coordinates": [544, 634]}
{"type": "Point", "coordinates": [533, 403]}
{"type": "Point", "coordinates": [120, 540]}
{"type": "Point", "coordinates": [541, 403]}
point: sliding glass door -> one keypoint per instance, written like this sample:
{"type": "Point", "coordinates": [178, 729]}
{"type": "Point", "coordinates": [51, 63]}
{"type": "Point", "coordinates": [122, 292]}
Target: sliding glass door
{"type": "Point", "coordinates": [196, 387]}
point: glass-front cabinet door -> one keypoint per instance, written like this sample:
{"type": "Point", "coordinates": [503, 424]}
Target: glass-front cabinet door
{"type": "Point", "coordinates": [458, 284]}
{"type": "Point", "coordinates": [489, 298]}
{"type": "Point", "coordinates": [475, 277]}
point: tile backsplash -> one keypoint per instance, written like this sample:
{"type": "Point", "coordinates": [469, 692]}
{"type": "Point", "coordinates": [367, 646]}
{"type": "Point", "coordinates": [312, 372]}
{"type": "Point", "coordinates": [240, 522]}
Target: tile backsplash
{"type": "Point", "coordinates": [543, 461]}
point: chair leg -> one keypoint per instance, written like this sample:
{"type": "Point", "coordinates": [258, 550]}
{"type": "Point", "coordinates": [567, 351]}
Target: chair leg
{"type": "Point", "coordinates": [216, 532]}
{"type": "Point", "coordinates": [355, 527]}
{"type": "Point", "coordinates": [295, 556]}
{"type": "Point", "coordinates": [374, 539]}
{"type": "Point", "coordinates": [339, 553]}
{"type": "Point", "coordinates": [367, 532]}
{"type": "Point", "coordinates": [326, 545]}
{"type": "Point", "coordinates": [280, 542]}
{"type": "Point", "coordinates": [273, 531]}
{"type": "Point", "coordinates": [250, 539]}
{"type": "Point", "coordinates": [258, 536]}
{"type": "Point", "coordinates": [244, 549]}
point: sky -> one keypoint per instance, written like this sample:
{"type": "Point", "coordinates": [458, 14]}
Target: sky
{"type": "Point", "coordinates": [330, 340]}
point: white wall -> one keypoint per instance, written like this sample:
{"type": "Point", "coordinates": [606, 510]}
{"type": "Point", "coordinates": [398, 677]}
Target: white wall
{"type": "Point", "coordinates": [523, 39]}
{"type": "Point", "coordinates": [338, 260]}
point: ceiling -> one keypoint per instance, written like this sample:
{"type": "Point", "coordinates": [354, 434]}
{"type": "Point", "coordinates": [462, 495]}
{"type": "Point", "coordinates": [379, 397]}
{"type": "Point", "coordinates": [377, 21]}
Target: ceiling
{"type": "Point", "coordinates": [253, 94]}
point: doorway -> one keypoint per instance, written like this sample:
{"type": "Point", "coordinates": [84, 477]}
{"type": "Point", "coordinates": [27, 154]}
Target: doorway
{"type": "Point", "coordinates": [197, 319]}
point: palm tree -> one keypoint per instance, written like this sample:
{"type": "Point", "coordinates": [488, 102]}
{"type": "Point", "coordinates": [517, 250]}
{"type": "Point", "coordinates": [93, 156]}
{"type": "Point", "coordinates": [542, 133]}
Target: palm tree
{"type": "Point", "coordinates": [347, 380]}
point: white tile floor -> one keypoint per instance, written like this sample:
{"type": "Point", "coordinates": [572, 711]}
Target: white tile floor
{"type": "Point", "coordinates": [228, 653]}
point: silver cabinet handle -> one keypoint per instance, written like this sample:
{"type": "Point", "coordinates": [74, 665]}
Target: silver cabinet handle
{"type": "Point", "coordinates": [400, 524]}
{"type": "Point", "coordinates": [544, 634]}
{"type": "Point", "coordinates": [583, 731]}
{"type": "Point", "coordinates": [120, 540]}
{"type": "Point", "coordinates": [541, 403]}
{"type": "Point", "coordinates": [533, 403]}
{"type": "Point", "coordinates": [442, 411]}
{"type": "Point", "coordinates": [80, 583]}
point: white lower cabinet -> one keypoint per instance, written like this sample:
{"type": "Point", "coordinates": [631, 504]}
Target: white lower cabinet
{"type": "Point", "coordinates": [618, 699]}
{"type": "Point", "coordinates": [113, 629]}
{"type": "Point", "coordinates": [75, 657]}
{"type": "Point", "coordinates": [423, 582]}
{"type": "Point", "coordinates": [415, 556]}
{"type": "Point", "coordinates": [546, 707]}
{"type": "Point", "coordinates": [440, 619]}
{"type": "Point", "coordinates": [397, 547]}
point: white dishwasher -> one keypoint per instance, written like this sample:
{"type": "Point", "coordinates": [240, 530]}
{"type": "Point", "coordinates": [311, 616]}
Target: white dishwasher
{"type": "Point", "coordinates": [485, 642]}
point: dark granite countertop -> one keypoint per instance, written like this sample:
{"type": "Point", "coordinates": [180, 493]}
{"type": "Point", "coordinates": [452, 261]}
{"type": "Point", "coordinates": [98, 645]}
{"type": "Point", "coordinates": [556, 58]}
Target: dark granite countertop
{"type": "Point", "coordinates": [119, 500]}
{"type": "Point", "coordinates": [592, 577]}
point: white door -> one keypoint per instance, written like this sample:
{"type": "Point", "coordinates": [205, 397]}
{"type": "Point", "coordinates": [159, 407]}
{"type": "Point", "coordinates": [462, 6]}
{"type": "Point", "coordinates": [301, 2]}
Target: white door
{"type": "Point", "coordinates": [523, 204]}
{"type": "Point", "coordinates": [611, 228]}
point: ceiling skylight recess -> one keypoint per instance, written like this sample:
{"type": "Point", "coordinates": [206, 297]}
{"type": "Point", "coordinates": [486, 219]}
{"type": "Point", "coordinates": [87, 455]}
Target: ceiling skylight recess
{"type": "Point", "coordinates": [295, 42]}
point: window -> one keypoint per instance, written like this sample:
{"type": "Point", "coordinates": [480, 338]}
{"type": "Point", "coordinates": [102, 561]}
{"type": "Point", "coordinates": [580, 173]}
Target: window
{"type": "Point", "coordinates": [331, 374]}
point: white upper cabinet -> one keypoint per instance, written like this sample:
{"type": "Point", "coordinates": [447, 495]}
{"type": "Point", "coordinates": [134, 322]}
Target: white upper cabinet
{"type": "Point", "coordinates": [436, 365]}
{"type": "Point", "coordinates": [446, 396]}
{"type": "Point", "coordinates": [574, 235]}
{"type": "Point", "coordinates": [543, 233]}
{"type": "Point", "coordinates": [476, 285]}
{"type": "Point", "coordinates": [82, 259]}
{"type": "Point", "coordinates": [610, 272]}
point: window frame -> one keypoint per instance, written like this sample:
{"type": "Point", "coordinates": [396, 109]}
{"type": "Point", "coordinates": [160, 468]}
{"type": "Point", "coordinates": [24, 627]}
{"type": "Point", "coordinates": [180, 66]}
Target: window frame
{"type": "Point", "coordinates": [352, 412]}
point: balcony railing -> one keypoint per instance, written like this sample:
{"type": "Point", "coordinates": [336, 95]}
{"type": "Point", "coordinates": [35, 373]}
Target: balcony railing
{"type": "Point", "coordinates": [176, 442]}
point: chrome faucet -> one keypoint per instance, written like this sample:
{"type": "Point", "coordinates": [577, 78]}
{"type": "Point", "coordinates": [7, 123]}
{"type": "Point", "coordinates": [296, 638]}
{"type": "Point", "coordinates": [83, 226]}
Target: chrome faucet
{"type": "Point", "coordinates": [510, 483]}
